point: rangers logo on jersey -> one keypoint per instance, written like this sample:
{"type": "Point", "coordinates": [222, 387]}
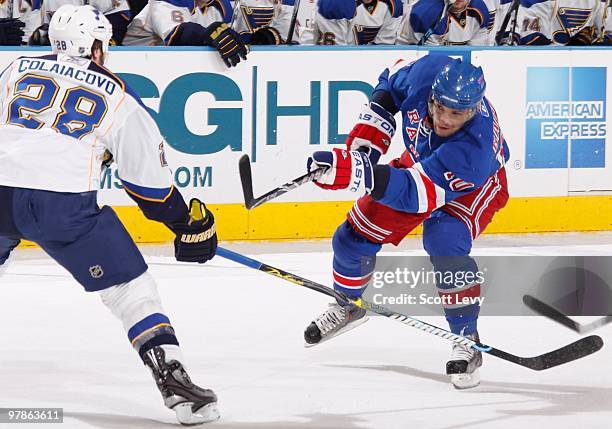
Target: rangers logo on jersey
{"type": "Point", "coordinates": [413, 151]}
{"type": "Point", "coordinates": [456, 184]}
{"type": "Point", "coordinates": [412, 133]}
{"type": "Point", "coordinates": [413, 116]}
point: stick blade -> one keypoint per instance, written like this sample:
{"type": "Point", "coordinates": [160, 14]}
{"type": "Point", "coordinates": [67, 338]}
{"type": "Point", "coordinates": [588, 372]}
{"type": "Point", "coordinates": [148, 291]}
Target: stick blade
{"type": "Point", "coordinates": [552, 313]}
{"type": "Point", "coordinates": [246, 179]}
{"type": "Point", "coordinates": [574, 351]}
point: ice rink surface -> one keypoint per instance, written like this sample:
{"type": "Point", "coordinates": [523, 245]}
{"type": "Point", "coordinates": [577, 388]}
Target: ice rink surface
{"type": "Point", "coordinates": [241, 332]}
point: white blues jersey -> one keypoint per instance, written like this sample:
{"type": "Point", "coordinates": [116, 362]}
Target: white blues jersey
{"type": "Point", "coordinates": [470, 26]}
{"type": "Point", "coordinates": [543, 22]}
{"type": "Point", "coordinates": [58, 114]}
{"type": "Point", "coordinates": [105, 6]}
{"type": "Point", "coordinates": [348, 22]}
{"type": "Point", "coordinates": [156, 23]}
{"type": "Point", "coordinates": [254, 14]}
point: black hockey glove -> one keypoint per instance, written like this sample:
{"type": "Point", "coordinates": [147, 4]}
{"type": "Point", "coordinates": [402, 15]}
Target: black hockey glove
{"type": "Point", "coordinates": [225, 40]}
{"type": "Point", "coordinates": [266, 36]}
{"type": "Point", "coordinates": [11, 31]}
{"type": "Point", "coordinates": [40, 36]}
{"type": "Point", "coordinates": [196, 240]}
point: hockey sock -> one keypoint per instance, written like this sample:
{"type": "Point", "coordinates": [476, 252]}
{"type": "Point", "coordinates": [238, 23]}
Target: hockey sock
{"type": "Point", "coordinates": [354, 260]}
{"type": "Point", "coordinates": [138, 305]}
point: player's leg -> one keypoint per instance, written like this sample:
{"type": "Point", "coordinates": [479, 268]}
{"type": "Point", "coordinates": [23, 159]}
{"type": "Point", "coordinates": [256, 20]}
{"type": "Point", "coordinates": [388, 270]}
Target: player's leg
{"type": "Point", "coordinates": [448, 242]}
{"type": "Point", "coordinates": [355, 243]}
{"type": "Point", "coordinates": [448, 238]}
{"type": "Point", "coordinates": [93, 245]}
{"type": "Point", "coordinates": [7, 244]}
{"type": "Point", "coordinates": [9, 235]}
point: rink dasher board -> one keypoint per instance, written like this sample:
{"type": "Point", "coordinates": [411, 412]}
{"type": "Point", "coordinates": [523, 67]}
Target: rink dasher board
{"type": "Point", "coordinates": [285, 102]}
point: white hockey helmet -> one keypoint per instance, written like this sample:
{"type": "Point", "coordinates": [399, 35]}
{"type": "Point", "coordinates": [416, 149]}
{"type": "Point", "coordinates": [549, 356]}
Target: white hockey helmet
{"type": "Point", "coordinates": [73, 30]}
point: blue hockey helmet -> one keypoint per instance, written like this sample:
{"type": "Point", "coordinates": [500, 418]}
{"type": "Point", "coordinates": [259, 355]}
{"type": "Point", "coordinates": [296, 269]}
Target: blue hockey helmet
{"type": "Point", "coordinates": [459, 85]}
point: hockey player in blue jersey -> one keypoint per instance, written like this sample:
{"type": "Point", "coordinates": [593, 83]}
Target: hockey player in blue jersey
{"type": "Point", "coordinates": [61, 114]}
{"type": "Point", "coordinates": [450, 179]}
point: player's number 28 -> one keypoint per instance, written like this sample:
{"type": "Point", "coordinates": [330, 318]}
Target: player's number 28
{"type": "Point", "coordinates": [80, 110]}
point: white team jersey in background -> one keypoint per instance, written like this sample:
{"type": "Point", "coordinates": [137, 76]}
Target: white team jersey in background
{"type": "Point", "coordinates": [57, 116]}
{"type": "Point", "coordinates": [559, 20]}
{"type": "Point", "coordinates": [472, 26]}
{"type": "Point", "coordinates": [254, 14]}
{"type": "Point", "coordinates": [159, 18]}
{"type": "Point", "coordinates": [105, 6]}
{"type": "Point", "coordinates": [377, 26]}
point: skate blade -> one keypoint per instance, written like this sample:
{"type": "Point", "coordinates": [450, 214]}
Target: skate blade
{"type": "Point", "coordinates": [340, 332]}
{"type": "Point", "coordinates": [465, 380]}
{"type": "Point", "coordinates": [187, 417]}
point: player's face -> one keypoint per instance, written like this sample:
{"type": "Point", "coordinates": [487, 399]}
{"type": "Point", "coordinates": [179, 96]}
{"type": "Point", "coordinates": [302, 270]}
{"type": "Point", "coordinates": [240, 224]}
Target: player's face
{"type": "Point", "coordinates": [459, 5]}
{"type": "Point", "coordinates": [447, 121]}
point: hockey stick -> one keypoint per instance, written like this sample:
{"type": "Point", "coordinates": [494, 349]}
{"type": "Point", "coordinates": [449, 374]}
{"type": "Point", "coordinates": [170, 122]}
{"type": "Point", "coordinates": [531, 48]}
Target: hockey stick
{"type": "Point", "coordinates": [552, 313]}
{"type": "Point", "coordinates": [431, 28]}
{"type": "Point", "coordinates": [576, 350]}
{"type": "Point", "coordinates": [512, 10]}
{"type": "Point", "coordinates": [246, 179]}
{"type": "Point", "coordinates": [296, 8]}
{"type": "Point", "coordinates": [234, 13]}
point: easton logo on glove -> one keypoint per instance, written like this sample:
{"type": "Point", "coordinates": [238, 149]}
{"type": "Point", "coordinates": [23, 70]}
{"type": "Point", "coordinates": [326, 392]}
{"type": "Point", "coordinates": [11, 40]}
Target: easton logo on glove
{"type": "Point", "coordinates": [343, 169]}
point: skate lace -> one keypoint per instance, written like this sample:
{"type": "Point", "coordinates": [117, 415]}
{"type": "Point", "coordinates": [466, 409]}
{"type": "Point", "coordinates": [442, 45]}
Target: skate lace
{"type": "Point", "coordinates": [461, 352]}
{"type": "Point", "coordinates": [332, 318]}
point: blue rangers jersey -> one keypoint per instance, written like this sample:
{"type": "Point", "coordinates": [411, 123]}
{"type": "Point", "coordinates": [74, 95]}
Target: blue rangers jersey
{"type": "Point", "coordinates": [444, 168]}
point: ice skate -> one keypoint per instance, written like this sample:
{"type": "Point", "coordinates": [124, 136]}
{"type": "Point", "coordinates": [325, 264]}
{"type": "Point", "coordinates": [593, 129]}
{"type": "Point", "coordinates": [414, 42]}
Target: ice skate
{"type": "Point", "coordinates": [463, 365]}
{"type": "Point", "coordinates": [334, 321]}
{"type": "Point", "coordinates": [192, 404]}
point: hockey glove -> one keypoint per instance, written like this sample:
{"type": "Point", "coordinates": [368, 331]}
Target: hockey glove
{"type": "Point", "coordinates": [196, 240]}
{"type": "Point", "coordinates": [220, 36]}
{"type": "Point", "coordinates": [266, 36]}
{"type": "Point", "coordinates": [11, 31]}
{"type": "Point", "coordinates": [345, 169]}
{"type": "Point", "coordinates": [373, 132]}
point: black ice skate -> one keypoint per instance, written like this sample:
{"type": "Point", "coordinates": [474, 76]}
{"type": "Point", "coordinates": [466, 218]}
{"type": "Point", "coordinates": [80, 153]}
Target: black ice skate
{"type": "Point", "coordinates": [463, 365]}
{"type": "Point", "coordinates": [336, 320]}
{"type": "Point", "coordinates": [192, 404]}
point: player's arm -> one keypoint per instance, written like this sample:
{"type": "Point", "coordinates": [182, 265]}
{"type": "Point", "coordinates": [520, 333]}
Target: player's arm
{"type": "Point", "coordinates": [333, 22]}
{"type": "Point", "coordinates": [138, 150]}
{"type": "Point", "coordinates": [533, 22]}
{"type": "Point", "coordinates": [387, 35]}
{"type": "Point", "coordinates": [405, 32]}
{"type": "Point", "coordinates": [422, 188]}
{"type": "Point", "coordinates": [480, 14]}
{"type": "Point", "coordinates": [278, 30]}
{"type": "Point", "coordinates": [419, 19]}
{"type": "Point", "coordinates": [171, 21]}
{"type": "Point", "coordinates": [376, 124]}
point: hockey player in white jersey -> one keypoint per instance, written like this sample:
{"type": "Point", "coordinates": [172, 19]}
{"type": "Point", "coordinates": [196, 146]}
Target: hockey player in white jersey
{"type": "Point", "coordinates": [116, 11]}
{"type": "Point", "coordinates": [188, 23]}
{"type": "Point", "coordinates": [360, 22]}
{"type": "Point", "coordinates": [60, 114]}
{"type": "Point", "coordinates": [447, 22]}
{"type": "Point", "coordinates": [560, 22]}
{"type": "Point", "coordinates": [264, 22]}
